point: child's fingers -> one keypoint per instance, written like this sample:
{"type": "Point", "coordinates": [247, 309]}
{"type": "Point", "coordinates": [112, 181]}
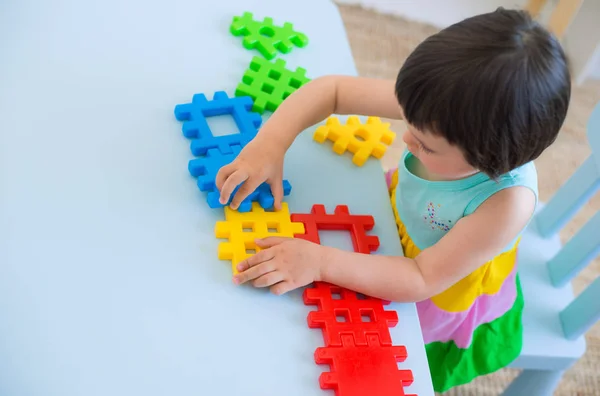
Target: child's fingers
{"type": "Point", "coordinates": [277, 191]}
{"type": "Point", "coordinates": [255, 259]}
{"type": "Point", "coordinates": [231, 182]}
{"type": "Point", "coordinates": [268, 279]}
{"type": "Point", "coordinates": [252, 272]}
{"type": "Point", "coordinates": [281, 288]}
{"type": "Point", "coordinates": [250, 184]}
{"type": "Point", "coordinates": [223, 174]}
{"type": "Point", "coordinates": [268, 242]}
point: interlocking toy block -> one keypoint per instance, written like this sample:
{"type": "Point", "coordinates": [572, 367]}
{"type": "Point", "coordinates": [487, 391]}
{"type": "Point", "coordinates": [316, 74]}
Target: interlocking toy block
{"type": "Point", "coordinates": [341, 312]}
{"type": "Point", "coordinates": [364, 370]}
{"type": "Point", "coordinates": [269, 84]}
{"type": "Point", "coordinates": [340, 220]}
{"type": "Point", "coordinates": [242, 229]}
{"type": "Point", "coordinates": [262, 195]}
{"type": "Point", "coordinates": [266, 37]}
{"type": "Point", "coordinates": [195, 125]}
{"type": "Point", "coordinates": [206, 169]}
{"type": "Point", "coordinates": [358, 344]}
{"type": "Point", "coordinates": [371, 138]}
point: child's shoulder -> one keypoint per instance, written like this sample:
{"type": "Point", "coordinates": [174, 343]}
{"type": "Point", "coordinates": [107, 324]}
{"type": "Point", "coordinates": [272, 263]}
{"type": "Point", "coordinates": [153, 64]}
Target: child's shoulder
{"type": "Point", "coordinates": [429, 210]}
{"type": "Point", "coordinates": [524, 177]}
{"type": "Point", "coordinates": [467, 193]}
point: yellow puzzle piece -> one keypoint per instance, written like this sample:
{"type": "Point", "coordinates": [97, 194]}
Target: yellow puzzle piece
{"type": "Point", "coordinates": [242, 228]}
{"type": "Point", "coordinates": [371, 138]}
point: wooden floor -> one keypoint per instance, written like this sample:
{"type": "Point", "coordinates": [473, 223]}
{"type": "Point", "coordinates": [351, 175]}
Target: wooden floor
{"type": "Point", "coordinates": [380, 43]}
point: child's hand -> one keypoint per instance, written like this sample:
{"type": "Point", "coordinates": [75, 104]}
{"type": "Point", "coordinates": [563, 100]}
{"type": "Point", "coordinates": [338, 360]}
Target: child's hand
{"type": "Point", "coordinates": [284, 264]}
{"type": "Point", "coordinates": [260, 161]}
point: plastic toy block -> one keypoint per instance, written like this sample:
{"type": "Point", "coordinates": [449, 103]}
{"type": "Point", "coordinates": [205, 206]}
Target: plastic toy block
{"type": "Point", "coordinates": [243, 228]}
{"type": "Point", "coordinates": [195, 125]}
{"type": "Point", "coordinates": [364, 140]}
{"type": "Point", "coordinates": [206, 169]}
{"type": "Point", "coordinates": [269, 84]}
{"type": "Point", "coordinates": [364, 370]}
{"type": "Point", "coordinates": [341, 220]}
{"type": "Point", "coordinates": [348, 315]}
{"type": "Point", "coordinates": [262, 195]}
{"type": "Point", "coordinates": [266, 37]}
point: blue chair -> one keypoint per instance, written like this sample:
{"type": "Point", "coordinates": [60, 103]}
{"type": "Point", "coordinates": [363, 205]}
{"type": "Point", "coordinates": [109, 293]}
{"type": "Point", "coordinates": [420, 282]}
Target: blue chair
{"type": "Point", "coordinates": [555, 322]}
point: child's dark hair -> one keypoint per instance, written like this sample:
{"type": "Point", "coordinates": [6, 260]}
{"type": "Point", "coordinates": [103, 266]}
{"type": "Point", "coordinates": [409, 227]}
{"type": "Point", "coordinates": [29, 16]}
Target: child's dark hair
{"type": "Point", "coordinates": [496, 85]}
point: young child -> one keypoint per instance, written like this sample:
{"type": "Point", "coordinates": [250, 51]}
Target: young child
{"type": "Point", "coordinates": [482, 99]}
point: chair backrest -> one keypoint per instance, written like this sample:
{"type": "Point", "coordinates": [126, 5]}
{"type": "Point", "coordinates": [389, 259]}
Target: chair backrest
{"type": "Point", "coordinates": [583, 247]}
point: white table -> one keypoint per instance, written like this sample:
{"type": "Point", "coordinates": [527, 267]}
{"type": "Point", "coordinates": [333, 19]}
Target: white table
{"type": "Point", "coordinates": [109, 278]}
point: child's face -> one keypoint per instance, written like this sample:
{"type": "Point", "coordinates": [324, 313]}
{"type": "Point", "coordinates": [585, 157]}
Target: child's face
{"type": "Point", "coordinates": [441, 159]}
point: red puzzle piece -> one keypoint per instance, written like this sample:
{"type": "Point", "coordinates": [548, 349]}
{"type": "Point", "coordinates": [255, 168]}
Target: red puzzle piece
{"type": "Point", "coordinates": [364, 370]}
{"type": "Point", "coordinates": [340, 220]}
{"type": "Point", "coordinates": [342, 312]}
{"type": "Point", "coordinates": [359, 351]}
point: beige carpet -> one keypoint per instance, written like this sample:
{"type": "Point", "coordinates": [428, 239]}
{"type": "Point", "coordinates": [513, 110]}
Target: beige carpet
{"type": "Point", "coordinates": [380, 43]}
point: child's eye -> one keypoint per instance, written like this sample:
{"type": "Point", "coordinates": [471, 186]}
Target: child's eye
{"type": "Point", "coordinates": [425, 149]}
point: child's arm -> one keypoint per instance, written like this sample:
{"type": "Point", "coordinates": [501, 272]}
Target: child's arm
{"type": "Point", "coordinates": [320, 98]}
{"type": "Point", "coordinates": [474, 240]}
{"type": "Point", "coordinates": [262, 159]}
{"type": "Point", "coordinates": [471, 242]}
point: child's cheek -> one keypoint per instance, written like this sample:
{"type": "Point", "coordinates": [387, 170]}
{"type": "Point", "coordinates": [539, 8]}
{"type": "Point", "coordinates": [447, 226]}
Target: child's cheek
{"type": "Point", "coordinates": [433, 165]}
{"type": "Point", "coordinates": [437, 166]}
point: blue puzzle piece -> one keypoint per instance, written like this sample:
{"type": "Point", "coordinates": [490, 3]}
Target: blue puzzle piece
{"type": "Point", "coordinates": [262, 195]}
{"type": "Point", "coordinates": [206, 169]}
{"type": "Point", "coordinates": [195, 125]}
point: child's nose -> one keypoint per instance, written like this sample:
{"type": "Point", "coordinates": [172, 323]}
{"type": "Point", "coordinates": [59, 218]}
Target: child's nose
{"type": "Point", "coordinates": [408, 139]}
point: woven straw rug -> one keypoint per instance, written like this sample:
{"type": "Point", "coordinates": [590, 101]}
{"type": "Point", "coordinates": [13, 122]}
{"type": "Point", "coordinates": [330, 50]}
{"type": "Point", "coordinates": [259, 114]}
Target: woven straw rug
{"type": "Point", "coordinates": [380, 43]}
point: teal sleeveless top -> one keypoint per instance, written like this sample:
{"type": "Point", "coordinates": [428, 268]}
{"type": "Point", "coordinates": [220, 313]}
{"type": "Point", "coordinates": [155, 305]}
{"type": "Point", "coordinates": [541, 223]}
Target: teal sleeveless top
{"type": "Point", "coordinates": [474, 327]}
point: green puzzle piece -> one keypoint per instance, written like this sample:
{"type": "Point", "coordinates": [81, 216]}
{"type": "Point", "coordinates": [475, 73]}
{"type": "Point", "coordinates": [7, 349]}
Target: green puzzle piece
{"type": "Point", "coordinates": [266, 37]}
{"type": "Point", "coordinates": [269, 84]}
